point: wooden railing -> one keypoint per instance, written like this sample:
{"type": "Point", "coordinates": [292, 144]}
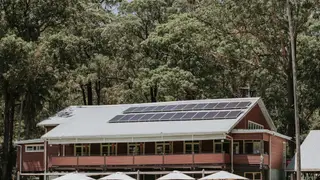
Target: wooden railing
{"type": "Point", "coordinates": [252, 159]}
{"type": "Point", "coordinates": [139, 160]}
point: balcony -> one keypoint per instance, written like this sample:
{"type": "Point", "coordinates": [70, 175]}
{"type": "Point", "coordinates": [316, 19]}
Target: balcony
{"type": "Point", "coordinates": [252, 159]}
{"type": "Point", "coordinates": [139, 160]}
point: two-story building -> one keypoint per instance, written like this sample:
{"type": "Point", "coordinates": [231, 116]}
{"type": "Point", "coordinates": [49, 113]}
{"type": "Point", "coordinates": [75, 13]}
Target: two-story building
{"type": "Point", "coordinates": [236, 135]}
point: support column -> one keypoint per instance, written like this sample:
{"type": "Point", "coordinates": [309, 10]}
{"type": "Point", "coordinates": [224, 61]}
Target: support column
{"type": "Point", "coordinates": [63, 150]}
{"type": "Point", "coordinates": [45, 160]}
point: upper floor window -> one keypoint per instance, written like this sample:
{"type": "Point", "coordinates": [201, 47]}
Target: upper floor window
{"type": "Point", "coordinates": [192, 147]}
{"type": "Point", "coordinates": [135, 148]}
{"type": "Point", "coordinates": [253, 125]}
{"type": "Point", "coordinates": [34, 148]}
{"type": "Point", "coordinates": [108, 149]}
{"type": "Point", "coordinates": [82, 149]}
{"type": "Point", "coordinates": [163, 148]}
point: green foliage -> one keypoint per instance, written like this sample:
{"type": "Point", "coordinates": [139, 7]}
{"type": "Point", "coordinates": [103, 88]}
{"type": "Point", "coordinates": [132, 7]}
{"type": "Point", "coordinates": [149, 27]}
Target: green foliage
{"type": "Point", "coordinates": [59, 53]}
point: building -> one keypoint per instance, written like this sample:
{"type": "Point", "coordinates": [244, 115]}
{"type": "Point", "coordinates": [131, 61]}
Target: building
{"type": "Point", "coordinates": [310, 166]}
{"type": "Point", "coordinates": [198, 136]}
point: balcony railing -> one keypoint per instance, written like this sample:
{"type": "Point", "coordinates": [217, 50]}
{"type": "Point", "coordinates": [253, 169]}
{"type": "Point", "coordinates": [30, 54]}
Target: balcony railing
{"type": "Point", "coordinates": [252, 159]}
{"type": "Point", "coordinates": [139, 160]}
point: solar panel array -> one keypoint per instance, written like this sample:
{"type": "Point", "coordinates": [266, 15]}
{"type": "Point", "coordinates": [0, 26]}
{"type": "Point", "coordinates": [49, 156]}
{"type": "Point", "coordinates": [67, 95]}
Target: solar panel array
{"type": "Point", "coordinates": [182, 112]}
{"type": "Point", "coordinates": [189, 107]}
{"type": "Point", "coordinates": [178, 116]}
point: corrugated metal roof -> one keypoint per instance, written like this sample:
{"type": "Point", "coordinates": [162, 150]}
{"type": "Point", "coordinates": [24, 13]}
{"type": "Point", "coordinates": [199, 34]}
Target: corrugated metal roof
{"type": "Point", "coordinates": [92, 121]}
{"type": "Point", "coordinates": [310, 159]}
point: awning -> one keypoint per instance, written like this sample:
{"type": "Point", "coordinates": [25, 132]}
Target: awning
{"type": "Point", "coordinates": [222, 175]}
{"type": "Point", "coordinates": [117, 176]}
{"type": "Point", "coordinates": [176, 175]}
{"type": "Point", "coordinates": [74, 176]}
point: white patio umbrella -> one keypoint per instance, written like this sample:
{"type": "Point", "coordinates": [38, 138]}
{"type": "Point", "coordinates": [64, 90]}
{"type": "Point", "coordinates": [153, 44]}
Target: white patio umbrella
{"type": "Point", "coordinates": [117, 176]}
{"type": "Point", "coordinates": [74, 176]}
{"type": "Point", "coordinates": [222, 175]}
{"type": "Point", "coordinates": [176, 175]}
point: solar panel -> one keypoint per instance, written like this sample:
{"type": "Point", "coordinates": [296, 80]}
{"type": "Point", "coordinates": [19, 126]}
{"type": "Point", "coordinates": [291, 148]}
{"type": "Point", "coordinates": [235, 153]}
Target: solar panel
{"type": "Point", "coordinates": [146, 117]}
{"type": "Point", "coordinates": [243, 105]}
{"type": "Point", "coordinates": [179, 107]}
{"type": "Point", "coordinates": [179, 116]}
{"type": "Point", "coordinates": [189, 107]}
{"type": "Point", "coordinates": [169, 108]}
{"type": "Point", "coordinates": [210, 115]}
{"type": "Point", "coordinates": [232, 105]}
{"type": "Point", "coordinates": [234, 114]}
{"type": "Point", "coordinates": [222, 114]}
{"type": "Point", "coordinates": [130, 110]}
{"type": "Point", "coordinates": [210, 106]}
{"type": "Point", "coordinates": [199, 106]}
{"type": "Point", "coordinates": [189, 115]}
{"type": "Point", "coordinates": [167, 116]}
{"type": "Point", "coordinates": [200, 115]}
{"type": "Point", "coordinates": [149, 109]}
{"type": "Point", "coordinates": [221, 105]}
{"type": "Point", "coordinates": [157, 117]}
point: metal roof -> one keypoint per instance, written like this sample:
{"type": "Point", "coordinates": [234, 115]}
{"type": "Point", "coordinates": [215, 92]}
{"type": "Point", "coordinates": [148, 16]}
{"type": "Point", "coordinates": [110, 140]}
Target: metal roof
{"type": "Point", "coordinates": [92, 122]}
{"type": "Point", "coordinates": [310, 159]}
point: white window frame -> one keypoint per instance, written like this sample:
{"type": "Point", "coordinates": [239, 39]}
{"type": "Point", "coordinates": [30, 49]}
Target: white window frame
{"type": "Point", "coordinates": [254, 125]}
{"type": "Point", "coordinates": [109, 146]}
{"type": "Point", "coordinates": [136, 145]}
{"type": "Point", "coordinates": [253, 173]}
{"type": "Point", "coordinates": [192, 143]}
{"type": "Point", "coordinates": [37, 146]}
{"type": "Point", "coordinates": [82, 146]}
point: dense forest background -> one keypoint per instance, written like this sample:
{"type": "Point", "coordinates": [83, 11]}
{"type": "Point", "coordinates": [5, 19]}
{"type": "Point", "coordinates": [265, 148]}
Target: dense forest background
{"type": "Point", "coordinates": [56, 53]}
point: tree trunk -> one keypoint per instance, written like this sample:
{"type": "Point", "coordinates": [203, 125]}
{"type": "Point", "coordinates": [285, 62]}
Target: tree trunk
{"type": "Point", "coordinates": [98, 91]}
{"type": "Point", "coordinates": [290, 108]}
{"type": "Point", "coordinates": [153, 93]}
{"type": "Point", "coordinates": [8, 134]}
{"type": "Point", "coordinates": [83, 95]}
{"type": "Point", "coordinates": [89, 91]}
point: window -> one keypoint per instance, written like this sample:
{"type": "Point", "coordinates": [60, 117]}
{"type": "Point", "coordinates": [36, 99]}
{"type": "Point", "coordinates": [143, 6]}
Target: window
{"type": "Point", "coordinates": [163, 148]}
{"type": "Point", "coordinates": [135, 148]}
{"type": "Point", "coordinates": [191, 147]}
{"type": "Point", "coordinates": [34, 148]}
{"type": "Point", "coordinates": [236, 147]}
{"type": "Point", "coordinates": [253, 125]}
{"type": "Point", "coordinates": [252, 147]}
{"type": "Point", "coordinates": [253, 175]}
{"type": "Point", "coordinates": [82, 149]}
{"type": "Point", "coordinates": [108, 149]}
{"type": "Point", "coordinates": [218, 146]}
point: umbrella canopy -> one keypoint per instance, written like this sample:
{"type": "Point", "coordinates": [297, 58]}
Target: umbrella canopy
{"type": "Point", "coordinates": [74, 176]}
{"type": "Point", "coordinates": [176, 175]}
{"type": "Point", "coordinates": [222, 175]}
{"type": "Point", "coordinates": [117, 176]}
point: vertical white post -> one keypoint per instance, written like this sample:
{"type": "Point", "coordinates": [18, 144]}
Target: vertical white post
{"type": "Point", "coordinates": [270, 149]}
{"type": "Point", "coordinates": [45, 160]}
{"type": "Point", "coordinates": [63, 150]}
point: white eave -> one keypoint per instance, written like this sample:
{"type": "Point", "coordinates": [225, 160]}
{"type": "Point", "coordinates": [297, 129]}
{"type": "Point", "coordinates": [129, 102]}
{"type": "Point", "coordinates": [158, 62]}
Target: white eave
{"type": "Point", "coordinates": [248, 131]}
{"type": "Point", "coordinates": [29, 141]}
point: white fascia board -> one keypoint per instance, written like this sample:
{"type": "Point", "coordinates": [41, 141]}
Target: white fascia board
{"type": "Point", "coordinates": [30, 141]}
{"type": "Point", "coordinates": [242, 131]}
{"type": "Point", "coordinates": [138, 139]}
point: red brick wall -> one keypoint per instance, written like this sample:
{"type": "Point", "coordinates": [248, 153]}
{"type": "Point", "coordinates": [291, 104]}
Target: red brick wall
{"type": "Point", "coordinates": [249, 136]}
{"type": "Point", "coordinates": [255, 115]}
{"type": "Point", "coordinates": [277, 146]}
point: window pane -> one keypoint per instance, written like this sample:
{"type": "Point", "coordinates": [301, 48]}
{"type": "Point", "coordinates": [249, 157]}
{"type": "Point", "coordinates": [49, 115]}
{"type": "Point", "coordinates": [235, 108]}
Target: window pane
{"type": "Point", "coordinates": [196, 148]}
{"type": "Point", "coordinates": [159, 149]}
{"type": "Point", "coordinates": [236, 148]}
{"type": "Point", "coordinates": [256, 147]}
{"type": "Point", "coordinates": [104, 150]}
{"type": "Point", "coordinates": [218, 148]}
{"type": "Point", "coordinates": [257, 176]}
{"type": "Point", "coordinates": [188, 148]}
{"type": "Point", "coordinates": [248, 175]}
{"type": "Point", "coordinates": [78, 151]}
{"type": "Point", "coordinates": [248, 147]}
{"type": "Point", "coordinates": [167, 148]}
